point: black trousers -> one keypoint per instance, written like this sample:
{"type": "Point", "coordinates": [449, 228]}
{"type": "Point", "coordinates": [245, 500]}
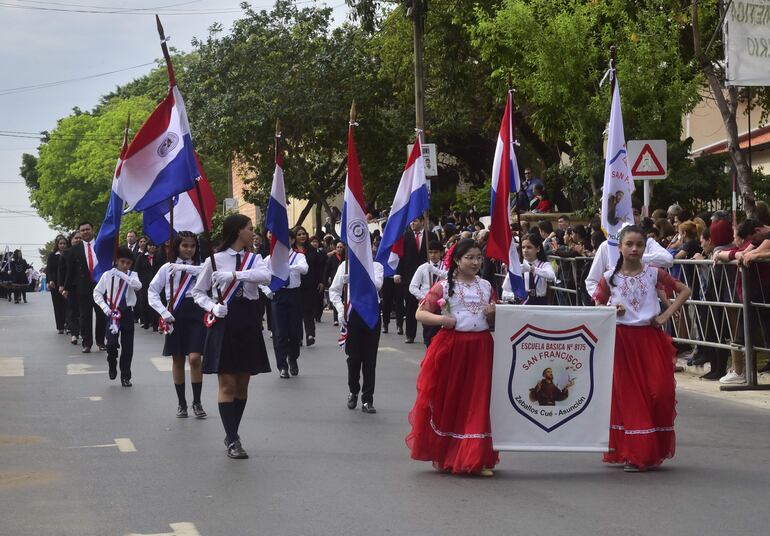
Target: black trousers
{"type": "Point", "coordinates": [361, 348]}
{"type": "Point", "coordinates": [59, 308]}
{"type": "Point", "coordinates": [428, 332]}
{"type": "Point", "coordinates": [287, 325]}
{"type": "Point", "coordinates": [309, 304]}
{"type": "Point", "coordinates": [73, 314]}
{"type": "Point", "coordinates": [411, 312]}
{"type": "Point", "coordinates": [87, 308]}
{"type": "Point", "coordinates": [126, 345]}
{"type": "Point", "coordinates": [392, 298]}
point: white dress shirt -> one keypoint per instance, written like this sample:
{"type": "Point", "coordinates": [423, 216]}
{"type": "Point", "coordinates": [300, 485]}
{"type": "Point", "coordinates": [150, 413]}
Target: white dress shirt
{"type": "Point", "coordinates": [335, 290]}
{"type": "Point", "coordinates": [654, 255]}
{"type": "Point", "coordinates": [427, 275]}
{"type": "Point", "coordinates": [110, 281]}
{"type": "Point", "coordinates": [257, 275]}
{"type": "Point", "coordinates": [162, 283]}
{"type": "Point", "coordinates": [544, 274]}
{"type": "Point", "coordinates": [297, 268]}
{"type": "Point", "coordinates": [93, 254]}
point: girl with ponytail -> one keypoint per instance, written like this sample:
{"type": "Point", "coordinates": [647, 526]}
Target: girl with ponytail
{"type": "Point", "coordinates": [450, 418]}
{"type": "Point", "coordinates": [643, 398]}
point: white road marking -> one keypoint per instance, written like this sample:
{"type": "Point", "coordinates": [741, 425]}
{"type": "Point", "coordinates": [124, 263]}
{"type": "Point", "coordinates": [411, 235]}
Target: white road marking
{"type": "Point", "coordinates": [91, 398]}
{"type": "Point", "coordinates": [124, 444]}
{"type": "Point", "coordinates": [180, 529]}
{"type": "Point", "coordinates": [82, 368]}
{"type": "Point", "coordinates": [12, 366]}
{"type": "Point", "coordinates": [163, 364]}
{"type": "Point", "coordinates": [390, 349]}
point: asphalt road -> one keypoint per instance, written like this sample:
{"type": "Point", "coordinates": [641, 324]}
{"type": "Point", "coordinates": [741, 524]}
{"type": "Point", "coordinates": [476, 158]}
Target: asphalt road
{"type": "Point", "coordinates": [317, 468]}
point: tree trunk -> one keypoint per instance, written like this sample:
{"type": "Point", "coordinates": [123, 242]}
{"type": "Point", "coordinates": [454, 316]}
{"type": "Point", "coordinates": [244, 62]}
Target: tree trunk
{"type": "Point", "coordinates": [727, 108]}
{"type": "Point", "coordinates": [305, 212]}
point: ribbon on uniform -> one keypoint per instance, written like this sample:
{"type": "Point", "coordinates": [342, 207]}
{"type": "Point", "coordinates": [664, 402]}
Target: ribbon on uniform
{"type": "Point", "coordinates": [209, 319]}
{"type": "Point", "coordinates": [115, 301]}
{"type": "Point", "coordinates": [185, 282]}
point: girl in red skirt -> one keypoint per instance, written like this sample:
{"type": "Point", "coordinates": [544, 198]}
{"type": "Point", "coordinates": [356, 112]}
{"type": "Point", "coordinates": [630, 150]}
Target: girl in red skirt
{"type": "Point", "coordinates": [643, 399]}
{"type": "Point", "coordinates": [450, 418]}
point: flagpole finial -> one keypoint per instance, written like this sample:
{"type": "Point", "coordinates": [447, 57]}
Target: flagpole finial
{"type": "Point", "coordinates": [353, 112]}
{"type": "Point", "coordinates": [125, 130]}
{"type": "Point", "coordinates": [277, 128]}
{"type": "Point", "coordinates": [166, 55]}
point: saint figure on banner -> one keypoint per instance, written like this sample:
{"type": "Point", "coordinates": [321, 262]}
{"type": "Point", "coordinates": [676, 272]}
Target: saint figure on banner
{"type": "Point", "coordinates": [546, 392]}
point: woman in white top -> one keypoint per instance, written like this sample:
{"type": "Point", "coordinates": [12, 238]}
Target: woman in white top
{"type": "Point", "coordinates": [182, 318]}
{"type": "Point", "coordinates": [643, 395]}
{"type": "Point", "coordinates": [234, 347]}
{"type": "Point", "coordinates": [537, 272]}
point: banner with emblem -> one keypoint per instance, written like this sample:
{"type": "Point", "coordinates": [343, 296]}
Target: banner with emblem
{"type": "Point", "coordinates": [552, 378]}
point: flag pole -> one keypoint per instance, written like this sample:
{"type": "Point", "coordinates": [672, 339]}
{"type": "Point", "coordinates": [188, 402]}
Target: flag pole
{"type": "Point", "coordinates": [166, 55]}
{"type": "Point", "coordinates": [613, 59]}
{"type": "Point", "coordinates": [123, 148]}
{"type": "Point", "coordinates": [352, 124]}
{"type": "Point", "coordinates": [511, 92]}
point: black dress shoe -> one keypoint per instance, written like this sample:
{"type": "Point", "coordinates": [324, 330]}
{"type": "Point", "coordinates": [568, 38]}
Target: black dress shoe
{"type": "Point", "coordinates": [74, 340]}
{"type": "Point", "coordinates": [102, 348]}
{"type": "Point", "coordinates": [86, 350]}
{"type": "Point", "coordinates": [60, 332]}
{"type": "Point", "coordinates": [310, 340]}
{"type": "Point", "coordinates": [385, 328]}
{"type": "Point", "coordinates": [235, 451]}
{"type": "Point", "coordinates": [368, 407]}
{"type": "Point", "coordinates": [113, 370]}
{"type": "Point", "coordinates": [400, 330]}
{"type": "Point", "coordinates": [285, 374]}
{"type": "Point", "coordinates": [293, 367]}
{"type": "Point", "coordinates": [711, 376]}
{"type": "Point", "coordinates": [181, 412]}
{"type": "Point", "coordinates": [409, 340]}
{"type": "Point", "coordinates": [352, 401]}
{"type": "Point", "coordinates": [125, 382]}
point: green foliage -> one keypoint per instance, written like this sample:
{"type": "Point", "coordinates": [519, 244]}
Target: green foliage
{"type": "Point", "coordinates": [475, 199]}
{"type": "Point", "coordinates": [28, 171]}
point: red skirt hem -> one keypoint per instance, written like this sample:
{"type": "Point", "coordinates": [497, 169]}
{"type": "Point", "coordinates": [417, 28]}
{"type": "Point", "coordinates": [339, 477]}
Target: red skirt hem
{"type": "Point", "coordinates": [450, 418]}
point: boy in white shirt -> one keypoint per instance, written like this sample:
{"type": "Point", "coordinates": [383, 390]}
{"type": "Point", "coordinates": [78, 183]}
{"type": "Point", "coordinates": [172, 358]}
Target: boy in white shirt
{"type": "Point", "coordinates": [427, 275]}
{"type": "Point", "coordinates": [115, 294]}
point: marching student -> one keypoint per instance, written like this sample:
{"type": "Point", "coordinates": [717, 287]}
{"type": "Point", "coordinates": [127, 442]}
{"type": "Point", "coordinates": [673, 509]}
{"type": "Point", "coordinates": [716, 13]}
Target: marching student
{"type": "Point", "coordinates": [115, 294]}
{"type": "Point", "coordinates": [182, 318]}
{"type": "Point", "coordinates": [643, 387]}
{"type": "Point", "coordinates": [234, 348]}
{"type": "Point", "coordinates": [71, 299]}
{"type": "Point", "coordinates": [80, 269]}
{"type": "Point", "coordinates": [52, 277]}
{"type": "Point", "coordinates": [427, 275]}
{"type": "Point", "coordinates": [287, 314]}
{"type": "Point", "coordinates": [450, 418]}
{"type": "Point", "coordinates": [361, 342]}
{"type": "Point", "coordinates": [147, 265]}
{"type": "Point", "coordinates": [537, 272]}
{"type": "Point", "coordinates": [310, 282]}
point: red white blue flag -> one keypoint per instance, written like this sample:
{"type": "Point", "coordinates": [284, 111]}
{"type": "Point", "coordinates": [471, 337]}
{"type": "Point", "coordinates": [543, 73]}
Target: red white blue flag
{"type": "Point", "coordinates": [505, 180]}
{"type": "Point", "coordinates": [160, 162]}
{"type": "Point", "coordinates": [362, 295]}
{"type": "Point", "coordinates": [411, 202]}
{"type": "Point", "coordinates": [277, 222]}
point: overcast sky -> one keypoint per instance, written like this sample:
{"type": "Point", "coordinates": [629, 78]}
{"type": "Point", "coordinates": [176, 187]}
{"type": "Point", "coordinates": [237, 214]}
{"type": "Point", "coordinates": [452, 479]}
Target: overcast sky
{"type": "Point", "coordinates": [51, 41]}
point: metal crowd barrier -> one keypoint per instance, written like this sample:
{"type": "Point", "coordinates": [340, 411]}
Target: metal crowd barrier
{"type": "Point", "coordinates": [714, 316]}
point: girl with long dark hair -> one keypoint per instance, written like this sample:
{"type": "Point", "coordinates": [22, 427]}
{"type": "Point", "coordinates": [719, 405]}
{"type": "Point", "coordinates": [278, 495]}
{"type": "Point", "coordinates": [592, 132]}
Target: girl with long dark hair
{"type": "Point", "coordinates": [52, 276]}
{"type": "Point", "coordinates": [182, 318]}
{"type": "Point", "coordinates": [450, 418]}
{"type": "Point", "coordinates": [643, 395]}
{"type": "Point", "coordinates": [537, 272]}
{"type": "Point", "coordinates": [310, 282]}
{"type": "Point", "coordinates": [234, 348]}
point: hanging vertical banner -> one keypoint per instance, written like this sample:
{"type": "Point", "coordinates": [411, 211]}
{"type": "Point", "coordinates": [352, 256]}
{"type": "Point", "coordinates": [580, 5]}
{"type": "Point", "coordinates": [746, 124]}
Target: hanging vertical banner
{"type": "Point", "coordinates": [552, 378]}
{"type": "Point", "coordinates": [747, 43]}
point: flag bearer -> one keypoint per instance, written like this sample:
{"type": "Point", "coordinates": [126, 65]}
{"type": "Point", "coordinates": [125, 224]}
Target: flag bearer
{"type": "Point", "coordinates": [234, 347]}
{"type": "Point", "coordinates": [182, 319]}
{"type": "Point", "coordinates": [427, 275]}
{"type": "Point", "coordinates": [537, 272]}
{"type": "Point", "coordinates": [115, 294]}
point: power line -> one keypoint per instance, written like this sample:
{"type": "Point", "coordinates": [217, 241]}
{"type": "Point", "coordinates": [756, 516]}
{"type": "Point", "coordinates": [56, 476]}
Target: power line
{"type": "Point", "coordinates": [10, 91]}
{"type": "Point", "coordinates": [127, 11]}
{"type": "Point", "coordinates": [107, 7]}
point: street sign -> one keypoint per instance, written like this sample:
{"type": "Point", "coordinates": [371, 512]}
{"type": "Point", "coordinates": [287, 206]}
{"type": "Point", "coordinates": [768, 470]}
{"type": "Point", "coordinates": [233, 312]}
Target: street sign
{"type": "Point", "coordinates": [648, 159]}
{"type": "Point", "coordinates": [428, 156]}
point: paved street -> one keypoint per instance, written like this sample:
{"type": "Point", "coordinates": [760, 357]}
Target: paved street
{"type": "Point", "coordinates": [80, 455]}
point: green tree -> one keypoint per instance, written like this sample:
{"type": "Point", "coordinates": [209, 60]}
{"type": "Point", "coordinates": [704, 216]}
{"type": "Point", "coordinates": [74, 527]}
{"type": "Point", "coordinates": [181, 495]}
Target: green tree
{"type": "Point", "coordinates": [289, 64]}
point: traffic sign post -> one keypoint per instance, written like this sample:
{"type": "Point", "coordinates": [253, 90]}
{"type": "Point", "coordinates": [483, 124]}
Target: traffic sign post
{"type": "Point", "coordinates": [649, 161]}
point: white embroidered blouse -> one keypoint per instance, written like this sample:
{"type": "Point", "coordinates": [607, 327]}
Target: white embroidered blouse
{"type": "Point", "coordinates": [466, 304]}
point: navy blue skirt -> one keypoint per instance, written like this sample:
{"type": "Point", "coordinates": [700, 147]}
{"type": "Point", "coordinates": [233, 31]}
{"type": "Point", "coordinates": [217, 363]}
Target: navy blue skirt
{"type": "Point", "coordinates": [189, 331]}
{"type": "Point", "coordinates": [234, 344]}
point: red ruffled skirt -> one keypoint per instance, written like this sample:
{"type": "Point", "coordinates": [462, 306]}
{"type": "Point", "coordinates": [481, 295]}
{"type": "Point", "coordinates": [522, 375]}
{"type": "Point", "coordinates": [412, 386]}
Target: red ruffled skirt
{"type": "Point", "coordinates": [450, 418]}
{"type": "Point", "coordinates": [643, 398]}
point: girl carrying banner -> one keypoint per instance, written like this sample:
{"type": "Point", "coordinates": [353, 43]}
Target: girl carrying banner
{"type": "Point", "coordinates": [450, 418]}
{"type": "Point", "coordinates": [537, 272]}
{"type": "Point", "coordinates": [234, 347]}
{"type": "Point", "coordinates": [181, 318]}
{"type": "Point", "coordinates": [643, 388]}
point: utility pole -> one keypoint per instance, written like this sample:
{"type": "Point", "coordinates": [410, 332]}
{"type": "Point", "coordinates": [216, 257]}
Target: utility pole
{"type": "Point", "coordinates": [416, 10]}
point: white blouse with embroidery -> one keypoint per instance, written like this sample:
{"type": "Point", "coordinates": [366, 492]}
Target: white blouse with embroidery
{"type": "Point", "coordinates": [636, 293]}
{"type": "Point", "coordinates": [466, 304]}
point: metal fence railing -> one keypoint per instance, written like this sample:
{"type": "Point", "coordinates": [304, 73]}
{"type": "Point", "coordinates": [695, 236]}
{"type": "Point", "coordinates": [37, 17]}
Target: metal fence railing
{"type": "Point", "coordinates": [717, 315]}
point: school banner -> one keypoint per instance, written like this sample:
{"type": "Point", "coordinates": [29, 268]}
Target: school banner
{"type": "Point", "coordinates": [552, 378]}
{"type": "Point", "coordinates": [747, 44]}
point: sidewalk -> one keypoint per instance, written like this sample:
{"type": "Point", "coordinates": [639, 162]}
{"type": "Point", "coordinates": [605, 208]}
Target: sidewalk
{"type": "Point", "coordinates": [688, 380]}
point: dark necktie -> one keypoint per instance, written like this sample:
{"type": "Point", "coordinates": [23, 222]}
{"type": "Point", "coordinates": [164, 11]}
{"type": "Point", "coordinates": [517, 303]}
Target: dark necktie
{"type": "Point", "coordinates": [532, 284]}
{"type": "Point", "coordinates": [239, 292]}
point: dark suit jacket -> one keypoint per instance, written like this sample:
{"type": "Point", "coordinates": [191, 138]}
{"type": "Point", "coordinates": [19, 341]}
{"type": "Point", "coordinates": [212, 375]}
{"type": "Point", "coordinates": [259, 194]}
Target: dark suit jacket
{"type": "Point", "coordinates": [412, 258]}
{"type": "Point", "coordinates": [78, 276]}
{"type": "Point", "coordinates": [52, 268]}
